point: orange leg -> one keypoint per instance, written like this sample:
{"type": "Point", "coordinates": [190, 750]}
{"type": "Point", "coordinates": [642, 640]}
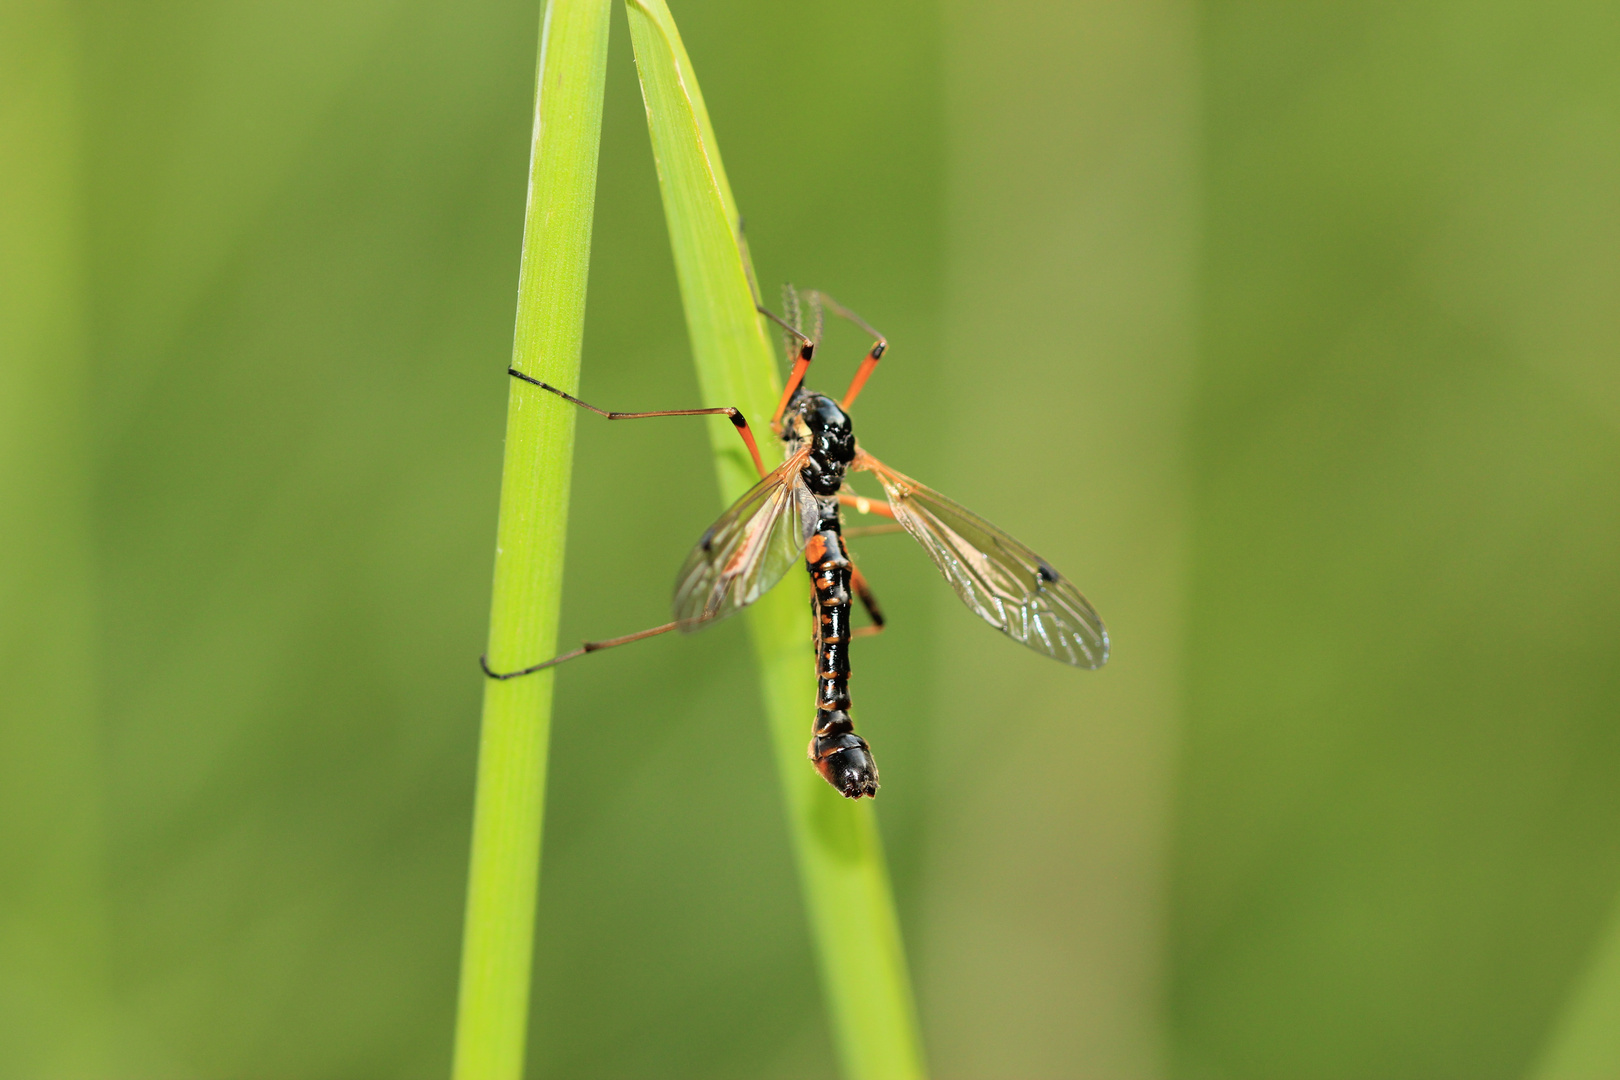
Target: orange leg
{"type": "Point", "coordinates": [863, 505]}
{"type": "Point", "coordinates": [800, 366]}
{"type": "Point", "coordinates": [862, 373]}
{"type": "Point", "coordinates": [863, 591]}
{"type": "Point", "coordinates": [818, 300]}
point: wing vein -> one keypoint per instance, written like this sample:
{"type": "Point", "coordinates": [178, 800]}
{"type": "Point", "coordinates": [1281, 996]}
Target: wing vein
{"type": "Point", "coordinates": [999, 579]}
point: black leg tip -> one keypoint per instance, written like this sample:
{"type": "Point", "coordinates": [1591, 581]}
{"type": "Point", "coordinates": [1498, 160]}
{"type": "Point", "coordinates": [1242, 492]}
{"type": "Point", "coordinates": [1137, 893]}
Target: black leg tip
{"type": "Point", "coordinates": [500, 676]}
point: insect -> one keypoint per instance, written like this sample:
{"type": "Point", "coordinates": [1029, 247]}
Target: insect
{"type": "Point", "coordinates": [797, 508]}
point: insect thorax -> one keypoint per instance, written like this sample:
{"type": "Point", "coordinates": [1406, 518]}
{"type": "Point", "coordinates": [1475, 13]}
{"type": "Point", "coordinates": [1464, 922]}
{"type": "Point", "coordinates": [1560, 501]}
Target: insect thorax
{"type": "Point", "coordinates": [815, 421]}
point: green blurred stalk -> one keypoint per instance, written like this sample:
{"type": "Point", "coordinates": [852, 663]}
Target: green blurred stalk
{"type": "Point", "coordinates": [54, 1016]}
{"type": "Point", "coordinates": [835, 840]}
{"type": "Point", "coordinates": [497, 947]}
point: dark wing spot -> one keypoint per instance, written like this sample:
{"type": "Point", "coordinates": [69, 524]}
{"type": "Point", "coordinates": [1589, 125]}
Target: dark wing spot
{"type": "Point", "coordinates": [708, 539]}
{"type": "Point", "coordinates": [1046, 573]}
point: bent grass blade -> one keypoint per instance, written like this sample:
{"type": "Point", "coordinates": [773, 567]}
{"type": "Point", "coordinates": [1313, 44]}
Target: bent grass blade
{"type": "Point", "coordinates": [842, 872]}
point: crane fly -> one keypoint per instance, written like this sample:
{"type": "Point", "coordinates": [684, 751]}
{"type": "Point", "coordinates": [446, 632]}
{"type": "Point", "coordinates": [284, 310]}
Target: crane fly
{"type": "Point", "coordinates": [797, 509]}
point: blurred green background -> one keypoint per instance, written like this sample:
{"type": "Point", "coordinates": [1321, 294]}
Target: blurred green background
{"type": "Point", "coordinates": [1289, 331]}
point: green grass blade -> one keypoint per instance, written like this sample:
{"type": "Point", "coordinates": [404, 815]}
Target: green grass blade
{"type": "Point", "coordinates": [836, 843]}
{"type": "Point", "coordinates": [497, 949]}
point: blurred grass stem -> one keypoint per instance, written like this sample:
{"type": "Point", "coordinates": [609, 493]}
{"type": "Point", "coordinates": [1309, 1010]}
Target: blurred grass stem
{"type": "Point", "coordinates": [836, 844]}
{"type": "Point", "coordinates": [503, 879]}
{"type": "Point", "coordinates": [53, 929]}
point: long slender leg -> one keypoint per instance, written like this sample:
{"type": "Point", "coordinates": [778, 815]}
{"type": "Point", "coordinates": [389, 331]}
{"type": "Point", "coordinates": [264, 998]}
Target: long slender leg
{"type": "Point", "coordinates": [738, 420]}
{"type": "Point", "coordinates": [797, 342]}
{"type": "Point", "coordinates": [801, 365]}
{"type": "Point", "coordinates": [806, 345]}
{"type": "Point", "coordinates": [863, 592]}
{"type": "Point", "coordinates": [821, 299]}
{"type": "Point", "coordinates": [863, 505]}
{"type": "Point", "coordinates": [587, 647]}
{"type": "Point", "coordinates": [818, 300]}
{"type": "Point", "coordinates": [873, 355]}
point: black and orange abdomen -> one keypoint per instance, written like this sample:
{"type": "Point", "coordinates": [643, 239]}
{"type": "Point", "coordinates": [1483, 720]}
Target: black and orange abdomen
{"type": "Point", "coordinates": [841, 756]}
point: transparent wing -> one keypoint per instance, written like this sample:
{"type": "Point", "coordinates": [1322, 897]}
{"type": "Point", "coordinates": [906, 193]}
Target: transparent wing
{"type": "Point", "coordinates": [748, 550]}
{"type": "Point", "coordinates": [1008, 585]}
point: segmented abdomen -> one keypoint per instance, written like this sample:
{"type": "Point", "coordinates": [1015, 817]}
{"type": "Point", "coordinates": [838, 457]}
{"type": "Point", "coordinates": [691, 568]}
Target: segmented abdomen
{"type": "Point", "coordinates": [842, 756]}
